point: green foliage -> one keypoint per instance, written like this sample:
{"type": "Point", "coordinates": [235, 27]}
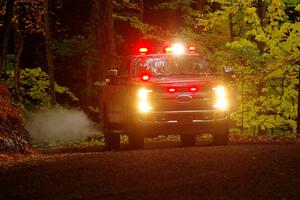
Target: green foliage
{"type": "Point", "coordinates": [34, 87]}
{"type": "Point", "coordinates": [78, 45]}
{"type": "Point", "coordinates": [269, 78]}
{"type": "Point", "coordinates": [130, 11]}
{"type": "Point", "coordinates": [292, 3]}
{"type": "Point", "coordinates": [265, 56]}
{"type": "Point", "coordinates": [176, 4]}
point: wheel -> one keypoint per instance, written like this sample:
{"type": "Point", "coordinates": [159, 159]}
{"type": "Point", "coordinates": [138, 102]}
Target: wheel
{"type": "Point", "coordinates": [112, 140]}
{"type": "Point", "coordinates": [188, 139]}
{"type": "Point", "coordinates": [221, 138]}
{"type": "Point", "coordinates": [135, 138]}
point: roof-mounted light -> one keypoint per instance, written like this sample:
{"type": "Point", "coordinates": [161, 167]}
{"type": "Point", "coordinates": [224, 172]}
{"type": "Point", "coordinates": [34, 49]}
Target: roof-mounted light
{"type": "Point", "coordinates": [143, 50]}
{"type": "Point", "coordinates": [168, 49]}
{"type": "Point", "coordinates": [178, 49]}
{"type": "Point", "coordinates": [192, 48]}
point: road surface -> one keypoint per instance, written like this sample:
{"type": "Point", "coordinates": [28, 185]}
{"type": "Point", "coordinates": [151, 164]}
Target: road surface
{"type": "Point", "coordinates": [206, 172]}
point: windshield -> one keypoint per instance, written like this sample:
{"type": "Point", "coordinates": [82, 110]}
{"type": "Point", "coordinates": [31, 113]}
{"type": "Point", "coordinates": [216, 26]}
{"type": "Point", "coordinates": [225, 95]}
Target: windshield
{"type": "Point", "coordinates": [163, 65]}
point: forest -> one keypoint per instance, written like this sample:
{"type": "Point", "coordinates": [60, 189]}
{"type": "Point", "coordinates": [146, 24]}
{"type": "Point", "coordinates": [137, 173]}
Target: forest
{"type": "Point", "coordinates": [57, 52]}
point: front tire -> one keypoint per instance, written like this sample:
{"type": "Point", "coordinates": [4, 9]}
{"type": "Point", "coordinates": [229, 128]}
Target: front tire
{"type": "Point", "coordinates": [112, 140]}
{"type": "Point", "coordinates": [188, 139]}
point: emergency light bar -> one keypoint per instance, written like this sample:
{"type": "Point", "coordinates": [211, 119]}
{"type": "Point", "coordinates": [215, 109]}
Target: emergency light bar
{"type": "Point", "coordinates": [176, 49]}
{"type": "Point", "coordinates": [179, 49]}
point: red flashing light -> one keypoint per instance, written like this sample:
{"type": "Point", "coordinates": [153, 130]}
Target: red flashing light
{"type": "Point", "coordinates": [193, 89]}
{"type": "Point", "coordinates": [171, 90]}
{"type": "Point", "coordinates": [146, 77]}
{"type": "Point", "coordinates": [143, 50]}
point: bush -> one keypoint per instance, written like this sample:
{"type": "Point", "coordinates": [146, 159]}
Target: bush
{"type": "Point", "coordinates": [34, 87]}
{"type": "Point", "coordinates": [13, 136]}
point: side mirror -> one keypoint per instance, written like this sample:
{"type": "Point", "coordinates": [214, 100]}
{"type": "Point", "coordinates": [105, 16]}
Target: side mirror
{"type": "Point", "coordinates": [229, 74]}
{"type": "Point", "coordinates": [112, 75]}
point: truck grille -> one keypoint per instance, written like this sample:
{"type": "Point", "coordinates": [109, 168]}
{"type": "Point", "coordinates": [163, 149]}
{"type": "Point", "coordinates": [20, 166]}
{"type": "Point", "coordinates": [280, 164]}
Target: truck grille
{"type": "Point", "coordinates": [182, 101]}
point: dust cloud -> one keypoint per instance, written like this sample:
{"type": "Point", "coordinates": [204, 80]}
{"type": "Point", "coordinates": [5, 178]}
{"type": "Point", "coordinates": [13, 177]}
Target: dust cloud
{"type": "Point", "coordinates": [59, 126]}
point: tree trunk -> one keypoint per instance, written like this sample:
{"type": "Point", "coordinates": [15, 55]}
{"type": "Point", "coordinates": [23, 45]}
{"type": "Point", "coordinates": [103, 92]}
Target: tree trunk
{"type": "Point", "coordinates": [19, 49]}
{"type": "Point", "coordinates": [109, 26]}
{"type": "Point", "coordinates": [261, 14]}
{"type": "Point", "coordinates": [261, 10]}
{"type": "Point", "coordinates": [49, 54]}
{"type": "Point", "coordinates": [110, 34]}
{"type": "Point", "coordinates": [298, 113]}
{"type": "Point", "coordinates": [231, 27]}
{"type": "Point", "coordinates": [101, 17]}
{"type": "Point", "coordinates": [7, 27]}
{"type": "Point", "coordinates": [101, 20]}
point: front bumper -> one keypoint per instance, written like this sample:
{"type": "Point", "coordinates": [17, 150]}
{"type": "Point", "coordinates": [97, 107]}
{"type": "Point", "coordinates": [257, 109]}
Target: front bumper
{"type": "Point", "coordinates": [182, 122]}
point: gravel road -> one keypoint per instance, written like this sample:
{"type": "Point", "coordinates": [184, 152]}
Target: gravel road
{"type": "Point", "coordinates": [224, 172]}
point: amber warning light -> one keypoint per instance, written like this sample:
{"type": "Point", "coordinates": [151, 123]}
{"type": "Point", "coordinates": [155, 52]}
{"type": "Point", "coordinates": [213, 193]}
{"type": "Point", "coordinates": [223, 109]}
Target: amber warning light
{"type": "Point", "coordinates": [192, 48]}
{"type": "Point", "coordinates": [168, 49]}
{"type": "Point", "coordinates": [179, 49]}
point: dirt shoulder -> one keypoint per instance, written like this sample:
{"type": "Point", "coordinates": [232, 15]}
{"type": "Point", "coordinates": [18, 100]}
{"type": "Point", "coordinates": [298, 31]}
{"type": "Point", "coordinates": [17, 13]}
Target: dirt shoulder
{"type": "Point", "coordinates": [160, 142]}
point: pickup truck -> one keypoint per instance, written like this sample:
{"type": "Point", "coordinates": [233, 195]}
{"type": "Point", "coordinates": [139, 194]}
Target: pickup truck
{"type": "Point", "coordinates": [169, 93]}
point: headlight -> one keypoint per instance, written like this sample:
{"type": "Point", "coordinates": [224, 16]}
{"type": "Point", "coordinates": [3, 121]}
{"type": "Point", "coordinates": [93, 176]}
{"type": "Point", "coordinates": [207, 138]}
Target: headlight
{"type": "Point", "coordinates": [143, 93]}
{"type": "Point", "coordinates": [221, 101]}
{"type": "Point", "coordinates": [220, 91]}
{"type": "Point", "coordinates": [143, 104]}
